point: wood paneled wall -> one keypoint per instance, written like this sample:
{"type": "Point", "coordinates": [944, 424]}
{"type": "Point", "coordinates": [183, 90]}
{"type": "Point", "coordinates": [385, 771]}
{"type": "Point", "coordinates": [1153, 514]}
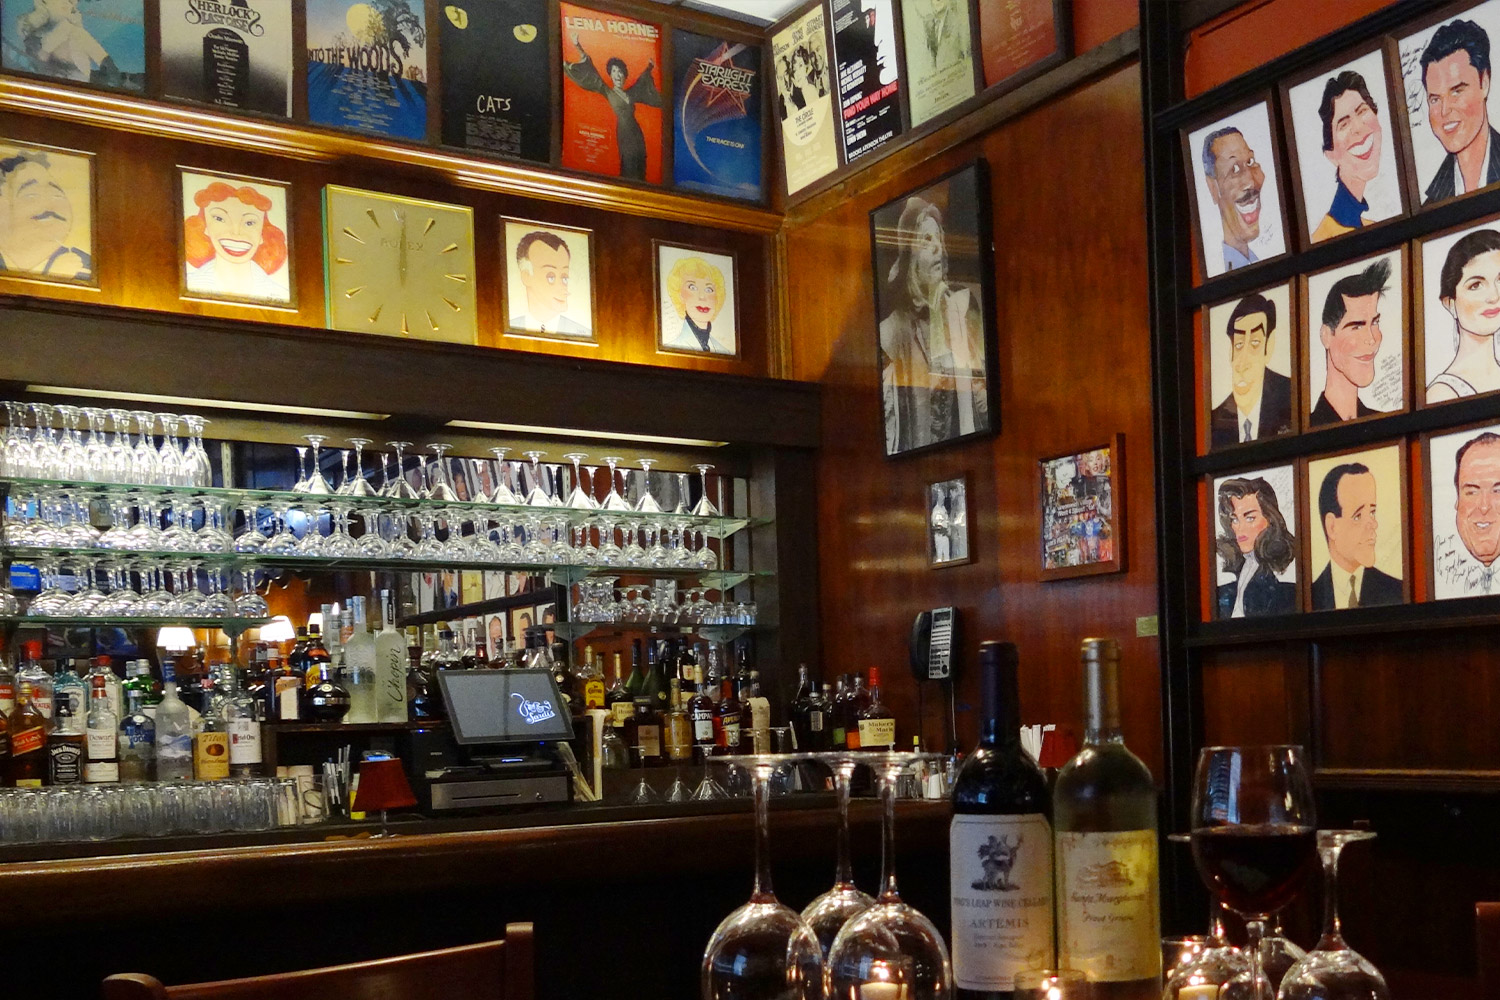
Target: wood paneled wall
{"type": "Point", "coordinates": [1070, 284]}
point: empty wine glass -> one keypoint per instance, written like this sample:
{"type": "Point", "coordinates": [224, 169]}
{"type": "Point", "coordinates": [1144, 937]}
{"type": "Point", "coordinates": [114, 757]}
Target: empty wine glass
{"type": "Point", "coordinates": [1333, 970]}
{"type": "Point", "coordinates": [502, 493]}
{"type": "Point", "coordinates": [438, 487]}
{"type": "Point", "coordinates": [300, 486]}
{"type": "Point", "coordinates": [200, 471]}
{"type": "Point", "coordinates": [248, 603]}
{"type": "Point", "coordinates": [763, 950]}
{"type": "Point", "coordinates": [174, 470]}
{"type": "Point", "coordinates": [538, 495]}
{"type": "Point", "coordinates": [401, 488]}
{"type": "Point", "coordinates": [145, 461]}
{"type": "Point", "coordinates": [119, 467]}
{"type": "Point", "coordinates": [579, 498]}
{"type": "Point", "coordinates": [316, 484]}
{"type": "Point", "coordinates": [827, 914]}
{"type": "Point", "coordinates": [890, 944]}
{"type": "Point", "coordinates": [647, 503]}
{"type": "Point", "coordinates": [359, 486]}
{"type": "Point", "coordinates": [704, 507]}
{"type": "Point", "coordinates": [343, 487]}
{"type": "Point", "coordinates": [613, 500]}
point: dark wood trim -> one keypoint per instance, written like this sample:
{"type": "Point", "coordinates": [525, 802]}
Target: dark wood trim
{"type": "Point", "coordinates": [1390, 620]}
{"type": "Point", "coordinates": [545, 595]}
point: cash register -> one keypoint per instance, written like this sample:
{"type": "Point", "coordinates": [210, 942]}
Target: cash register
{"type": "Point", "coordinates": [501, 745]}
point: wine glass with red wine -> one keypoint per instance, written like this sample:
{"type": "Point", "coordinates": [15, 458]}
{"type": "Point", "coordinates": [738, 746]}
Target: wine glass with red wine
{"type": "Point", "coordinates": [1254, 835]}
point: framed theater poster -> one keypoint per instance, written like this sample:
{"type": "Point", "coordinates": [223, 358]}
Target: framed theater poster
{"type": "Point", "coordinates": [1083, 511]}
{"type": "Point", "coordinates": [696, 308]}
{"type": "Point", "coordinates": [236, 56]}
{"type": "Point", "coordinates": [935, 304]}
{"type": "Point", "coordinates": [869, 77]}
{"type": "Point", "coordinates": [1457, 274]}
{"type": "Point", "coordinates": [47, 203]}
{"type": "Point", "coordinates": [804, 100]}
{"type": "Point", "coordinates": [1236, 199]}
{"type": "Point", "coordinates": [101, 43]}
{"type": "Point", "coordinates": [939, 43]}
{"type": "Point", "coordinates": [497, 68]}
{"type": "Point", "coordinates": [612, 101]}
{"type": "Point", "coordinates": [948, 523]}
{"type": "Point", "coordinates": [717, 117]}
{"type": "Point", "coordinates": [1250, 367]}
{"type": "Point", "coordinates": [1019, 39]}
{"type": "Point", "coordinates": [1356, 538]}
{"type": "Point", "coordinates": [549, 288]}
{"type": "Point", "coordinates": [236, 245]}
{"type": "Point", "coordinates": [1253, 544]}
{"type": "Point", "coordinates": [367, 66]}
{"type": "Point", "coordinates": [1355, 353]}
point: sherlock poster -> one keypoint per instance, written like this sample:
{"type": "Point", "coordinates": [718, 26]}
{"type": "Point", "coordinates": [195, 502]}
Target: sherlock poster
{"type": "Point", "coordinates": [230, 53]}
{"type": "Point", "coordinates": [809, 147]}
{"type": "Point", "coordinates": [101, 43]}
{"type": "Point", "coordinates": [717, 116]}
{"type": "Point", "coordinates": [497, 97]}
{"type": "Point", "coordinates": [612, 101]}
{"type": "Point", "coordinates": [367, 66]}
{"type": "Point", "coordinates": [864, 44]}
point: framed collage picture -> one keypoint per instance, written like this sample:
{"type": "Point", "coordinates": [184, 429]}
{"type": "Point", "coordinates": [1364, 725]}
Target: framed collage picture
{"type": "Point", "coordinates": [1083, 511]}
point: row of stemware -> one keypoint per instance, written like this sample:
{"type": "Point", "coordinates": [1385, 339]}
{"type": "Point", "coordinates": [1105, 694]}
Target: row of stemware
{"type": "Point", "coordinates": [599, 602]}
{"type": "Point", "coordinates": [94, 444]}
{"type": "Point", "coordinates": [139, 588]}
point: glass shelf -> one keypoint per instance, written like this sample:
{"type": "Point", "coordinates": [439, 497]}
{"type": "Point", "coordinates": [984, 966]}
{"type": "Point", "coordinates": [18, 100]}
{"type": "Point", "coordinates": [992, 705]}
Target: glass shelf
{"type": "Point", "coordinates": [227, 624]}
{"type": "Point", "coordinates": [713, 633]}
{"type": "Point", "coordinates": [713, 527]}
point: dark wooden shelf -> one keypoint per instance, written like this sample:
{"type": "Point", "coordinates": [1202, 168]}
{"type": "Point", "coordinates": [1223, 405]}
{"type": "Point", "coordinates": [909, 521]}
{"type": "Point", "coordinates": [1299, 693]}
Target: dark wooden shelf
{"type": "Point", "coordinates": [285, 729]}
{"type": "Point", "coordinates": [1395, 619]}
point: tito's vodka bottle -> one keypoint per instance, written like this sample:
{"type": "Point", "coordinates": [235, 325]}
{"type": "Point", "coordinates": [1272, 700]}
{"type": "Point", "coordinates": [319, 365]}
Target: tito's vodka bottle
{"type": "Point", "coordinates": [1000, 846]}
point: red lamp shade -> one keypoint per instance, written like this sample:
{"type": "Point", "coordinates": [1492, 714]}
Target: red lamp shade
{"type": "Point", "coordinates": [382, 785]}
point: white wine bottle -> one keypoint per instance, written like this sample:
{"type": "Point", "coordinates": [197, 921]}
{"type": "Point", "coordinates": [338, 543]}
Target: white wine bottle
{"type": "Point", "coordinates": [1104, 808]}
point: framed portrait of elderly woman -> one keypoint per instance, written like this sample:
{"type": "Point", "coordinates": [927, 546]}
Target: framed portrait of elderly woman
{"type": "Point", "coordinates": [934, 303]}
{"type": "Point", "coordinates": [236, 239]}
{"type": "Point", "coordinates": [1456, 278]}
{"type": "Point", "coordinates": [696, 310]}
{"type": "Point", "coordinates": [1253, 546]}
{"type": "Point", "coordinates": [50, 194]}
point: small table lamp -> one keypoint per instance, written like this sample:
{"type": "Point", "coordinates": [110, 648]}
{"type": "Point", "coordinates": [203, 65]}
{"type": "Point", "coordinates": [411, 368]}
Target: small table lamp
{"type": "Point", "coordinates": [382, 786]}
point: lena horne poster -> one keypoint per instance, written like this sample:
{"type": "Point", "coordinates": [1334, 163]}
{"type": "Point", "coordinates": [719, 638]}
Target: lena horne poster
{"type": "Point", "coordinates": [717, 128]}
{"type": "Point", "coordinates": [497, 95]}
{"type": "Point", "coordinates": [367, 66]}
{"type": "Point", "coordinates": [864, 43]}
{"type": "Point", "coordinates": [232, 53]}
{"type": "Point", "coordinates": [611, 115]}
{"type": "Point", "coordinates": [804, 105]}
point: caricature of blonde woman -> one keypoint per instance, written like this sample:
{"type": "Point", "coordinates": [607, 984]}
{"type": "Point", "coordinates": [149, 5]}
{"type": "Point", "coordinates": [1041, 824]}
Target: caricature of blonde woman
{"type": "Point", "coordinates": [698, 293]}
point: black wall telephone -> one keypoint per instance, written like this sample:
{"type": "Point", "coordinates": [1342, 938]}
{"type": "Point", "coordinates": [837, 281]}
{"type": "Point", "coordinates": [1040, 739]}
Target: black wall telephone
{"type": "Point", "coordinates": [934, 635]}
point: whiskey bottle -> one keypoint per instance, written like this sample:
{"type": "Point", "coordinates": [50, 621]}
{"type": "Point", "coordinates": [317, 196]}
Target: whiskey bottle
{"type": "Point", "coordinates": [677, 729]}
{"type": "Point", "coordinates": [27, 729]}
{"type": "Point", "coordinates": [65, 745]}
{"type": "Point", "coordinates": [858, 700]}
{"type": "Point", "coordinates": [7, 687]}
{"type": "Point", "coordinates": [643, 734]}
{"type": "Point", "coordinates": [102, 736]}
{"type": "Point", "coordinates": [877, 726]}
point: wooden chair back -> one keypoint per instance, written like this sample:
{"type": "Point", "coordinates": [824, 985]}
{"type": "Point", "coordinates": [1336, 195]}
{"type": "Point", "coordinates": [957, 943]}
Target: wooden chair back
{"type": "Point", "coordinates": [490, 970]}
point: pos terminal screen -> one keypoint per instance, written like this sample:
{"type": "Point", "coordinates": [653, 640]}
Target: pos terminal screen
{"type": "Point", "coordinates": [504, 706]}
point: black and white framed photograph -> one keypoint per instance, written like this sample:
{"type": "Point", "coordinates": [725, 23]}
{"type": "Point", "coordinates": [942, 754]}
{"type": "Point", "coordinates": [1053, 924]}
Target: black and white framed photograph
{"type": "Point", "coordinates": [948, 522]}
{"type": "Point", "coordinates": [935, 303]}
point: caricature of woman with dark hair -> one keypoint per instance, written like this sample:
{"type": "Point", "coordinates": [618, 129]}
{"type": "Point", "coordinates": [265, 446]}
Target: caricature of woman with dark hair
{"type": "Point", "coordinates": [629, 139]}
{"type": "Point", "coordinates": [1256, 546]}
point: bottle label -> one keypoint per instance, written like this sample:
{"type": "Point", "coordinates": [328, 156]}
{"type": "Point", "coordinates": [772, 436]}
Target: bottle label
{"type": "Point", "coordinates": [211, 756]}
{"type": "Point", "coordinates": [851, 738]}
{"type": "Point", "coordinates": [43, 704]}
{"type": "Point", "coordinates": [137, 733]}
{"type": "Point", "coordinates": [99, 771]}
{"type": "Point", "coordinates": [840, 737]}
{"type": "Point", "coordinates": [877, 733]}
{"type": "Point", "coordinates": [732, 734]}
{"type": "Point", "coordinates": [28, 782]}
{"type": "Point", "coordinates": [1001, 896]}
{"type": "Point", "coordinates": [649, 740]}
{"type": "Point", "coordinates": [703, 727]}
{"type": "Point", "coordinates": [622, 710]}
{"type": "Point", "coordinates": [244, 741]}
{"type": "Point", "coordinates": [593, 694]}
{"type": "Point", "coordinates": [65, 764]}
{"type": "Point", "coordinates": [815, 722]}
{"type": "Point", "coordinates": [1107, 920]}
{"type": "Point", "coordinates": [286, 698]}
{"type": "Point", "coordinates": [27, 741]}
{"type": "Point", "coordinates": [102, 744]}
{"type": "Point", "coordinates": [7, 697]}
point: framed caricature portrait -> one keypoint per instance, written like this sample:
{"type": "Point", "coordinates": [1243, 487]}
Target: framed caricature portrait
{"type": "Point", "coordinates": [1456, 274]}
{"type": "Point", "coordinates": [1250, 367]}
{"type": "Point", "coordinates": [1448, 114]}
{"type": "Point", "coordinates": [1354, 318]}
{"type": "Point", "coordinates": [948, 522]}
{"type": "Point", "coordinates": [549, 288]}
{"type": "Point", "coordinates": [1236, 201]}
{"type": "Point", "coordinates": [935, 303]}
{"type": "Point", "coordinates": [1463, 514]}
{"type": "Point", "coordinates": [1344, 148]}
{"type": "Point", "coordinates": [1356, 537]}
{"type": "Point", "coordinates": [1083, 511]}
{"type": "Point", "coordinates": [52, 194]}
{"type": "Point", "coordinates": [236, 239]}
{"type": "Point", "coordinates": [696, 308]}
{"type": "Point", "coordinates": [1253, 544]}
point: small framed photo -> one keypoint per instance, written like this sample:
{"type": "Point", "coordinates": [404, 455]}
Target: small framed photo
{"type": "Point", "coordinates": [934, 298]}
{"type": "Point", "coordinates": [1250, 367]}
{"type": "Point", "coordinates": [1355, 542]}
{"type": "Point", "coordinates": [1344, 149]}
{"type": "Point", "coordinates": [549, 286]}
{"type": "Point", "coordinates": [236, 239]}
{"type": "Point", "coordinates": [49, 193]}
{"type": "Point", "coordinates": [1446, 70]}
{"type": "Point", "coordinates": [496, 634]}
{"type": "Point", "coordinates": [1253, 544]}
{"type": "Point", "coordinates": [696, 308]}
{"type": "Point", "coordinates": [948, 522]}
{"type": "Point", "coordinates": [1238, 212]}
{"type": "Point", "coordinates": [1456, 274]}
{"type": "Point", "coordinates": [1083, 511]}
{"type": "Point", "coordinates": [1355, 352]}
{"type": "Point", "coordinates": [1463, 513]}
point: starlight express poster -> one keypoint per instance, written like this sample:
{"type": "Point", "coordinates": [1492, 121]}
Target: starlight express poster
{"type": "Point", "coordinates": [611, 114]}
{"type": "Point", "coordinates": [864, 46]}
{"type": "Point", "coordinates": [497, 92]}
{"type": "Point", "coordinates": [367, 66]}
{"type": "Point", "coordinates": [717, 118]}
{"type": "Point", "coordinates": [230, 53]}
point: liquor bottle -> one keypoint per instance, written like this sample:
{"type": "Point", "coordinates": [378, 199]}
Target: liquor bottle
{"type": "Point", "coordinates": [138, 678]}
{"type": "Point", "coordinates": [700, 711]}
{"type": "Point", "coordinates": [36, 679]}
{"type": "Point", "coordinates": [758, 713]}
{"type": "Point", "coordinates": [839, 711]}
{"type": "Point", "coordinates": [65, 745]}
{"type": "Point", "coordinates": [481, 649]}
{"type": "Point", "coordinates": [359, 667]}
{"type": "Point", "coordinates": [327, 699]}
{"type": "Point", "coordinates": [643, 734]}
{"type": "Point", "coordinates": [654, 684]}
{"type": "Point", "coordinates": [7, 687]}
{"type": "Point", "coordinates": [1000, 846]}
{"type": "Point", "coordinates": [316, 658]}
{"type": "Point", "coordinates": [102, 736]}
{"type": "Point", "coordinates": [820, 719]}
{"type": "Point", "coordinates": [27, 729]}
{"type": "Point", "coordinates": [103, 667]}
{"type": "Point", "coordinates": [687, 663]}
{"type": "Point", "coordinates": [174, 730]}
{"type": "Point", "coordinates": [467, 657]}
{"type": "Point", "coordinates": [636, 681]}
{"type": "Point", "coordinates": [284, 686]}
{"type": "Point", "coordinates": [68, 683]}
{"type": "Point", "coordinates": [797, 710]}
{"type": "Point", "coordinates": [857, 701]}
{"type": "Point", "coordinates": [243, 726]}
{"type": "Point", "coordinates": [677, 730]}
{"type": "Point", "coordinates": [137, 739]}
{"type": "Point", "coordinates": [298, 655]}
{"type": "Point", "coordinates": [877, 726]}
{"type": "Point", "coordinates": [588, 681]}
{"type": "Point", "coordinates": [727, 719]}
{"type": "Point", "coordinates": [211, 744]}
{"type": "Point", "coordinates": [617, 699]}
{"type": "Point", "coordinates": [5, 746]}
{"type": "Point", "coordinates": [1104, 807]}
{"type": "Point", "coordinates": [390, 664]}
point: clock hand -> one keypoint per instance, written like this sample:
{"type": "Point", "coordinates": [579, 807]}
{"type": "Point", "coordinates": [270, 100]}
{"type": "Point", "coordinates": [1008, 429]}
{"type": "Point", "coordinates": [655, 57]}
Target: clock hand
{"type": "Point", "coordinates": [401, 254]}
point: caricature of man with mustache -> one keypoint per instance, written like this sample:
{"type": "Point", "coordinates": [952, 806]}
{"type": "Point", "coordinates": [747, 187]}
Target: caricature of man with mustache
{"type": "Point", "coordinates": [1234, 180]}
{"type": "Point", "coordinates": [36, 219]}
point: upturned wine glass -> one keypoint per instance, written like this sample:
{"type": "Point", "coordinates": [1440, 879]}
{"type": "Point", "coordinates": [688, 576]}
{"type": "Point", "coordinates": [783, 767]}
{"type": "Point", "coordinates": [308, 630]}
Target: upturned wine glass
{"type": "Point", "coordinates": [1333, 970]}
{"type": "Point", "coordinates": [538, 495]}
{"type": "Point", "coordinates": [145, 461]}
{"type": "Point", "coordinates": [440, 488]}
{"type": "Point", "coordinates": [613, 500]}
{"type": "Point", "coordinates": [763, 950]}
{"type": "Point", "coordinates": [704, 507]}
{"type": "Point", "coordinates": [316, 484]}
{"type": "Point", "coordinates": [827, 914]}
{"type": "Point", "coordinates": [647, 503]}
{"type": "Point", "coordinates": [502, 493]}
{"type": "Point", "coordinates": [1254, 835]}
{"type": "Point", "coordinates": [401, 488]}
{"type": "Point", "coordinates": [579, 498]}
{"type": "Point", "coordinates": [359, 486]}
{"type": "Point", "coordinates": [890, 944]}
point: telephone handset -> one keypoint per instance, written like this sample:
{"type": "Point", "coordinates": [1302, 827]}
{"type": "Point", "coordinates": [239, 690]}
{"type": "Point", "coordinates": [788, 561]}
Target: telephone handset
{"type": "Point", "coordinates": [934, 635]}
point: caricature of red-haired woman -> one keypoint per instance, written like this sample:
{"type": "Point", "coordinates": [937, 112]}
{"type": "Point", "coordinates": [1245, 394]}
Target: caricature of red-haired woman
{"type": "Point", "coordinates": [233, 248]}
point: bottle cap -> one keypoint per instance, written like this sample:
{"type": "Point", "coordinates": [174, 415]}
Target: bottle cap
{"type": "Point", "coordinates": [874, 676]}
{"type": "Point", "coordinates": [33, 649]}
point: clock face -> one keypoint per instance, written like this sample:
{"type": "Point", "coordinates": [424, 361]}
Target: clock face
{"type": "Point", "coordinates": [398, 266]}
